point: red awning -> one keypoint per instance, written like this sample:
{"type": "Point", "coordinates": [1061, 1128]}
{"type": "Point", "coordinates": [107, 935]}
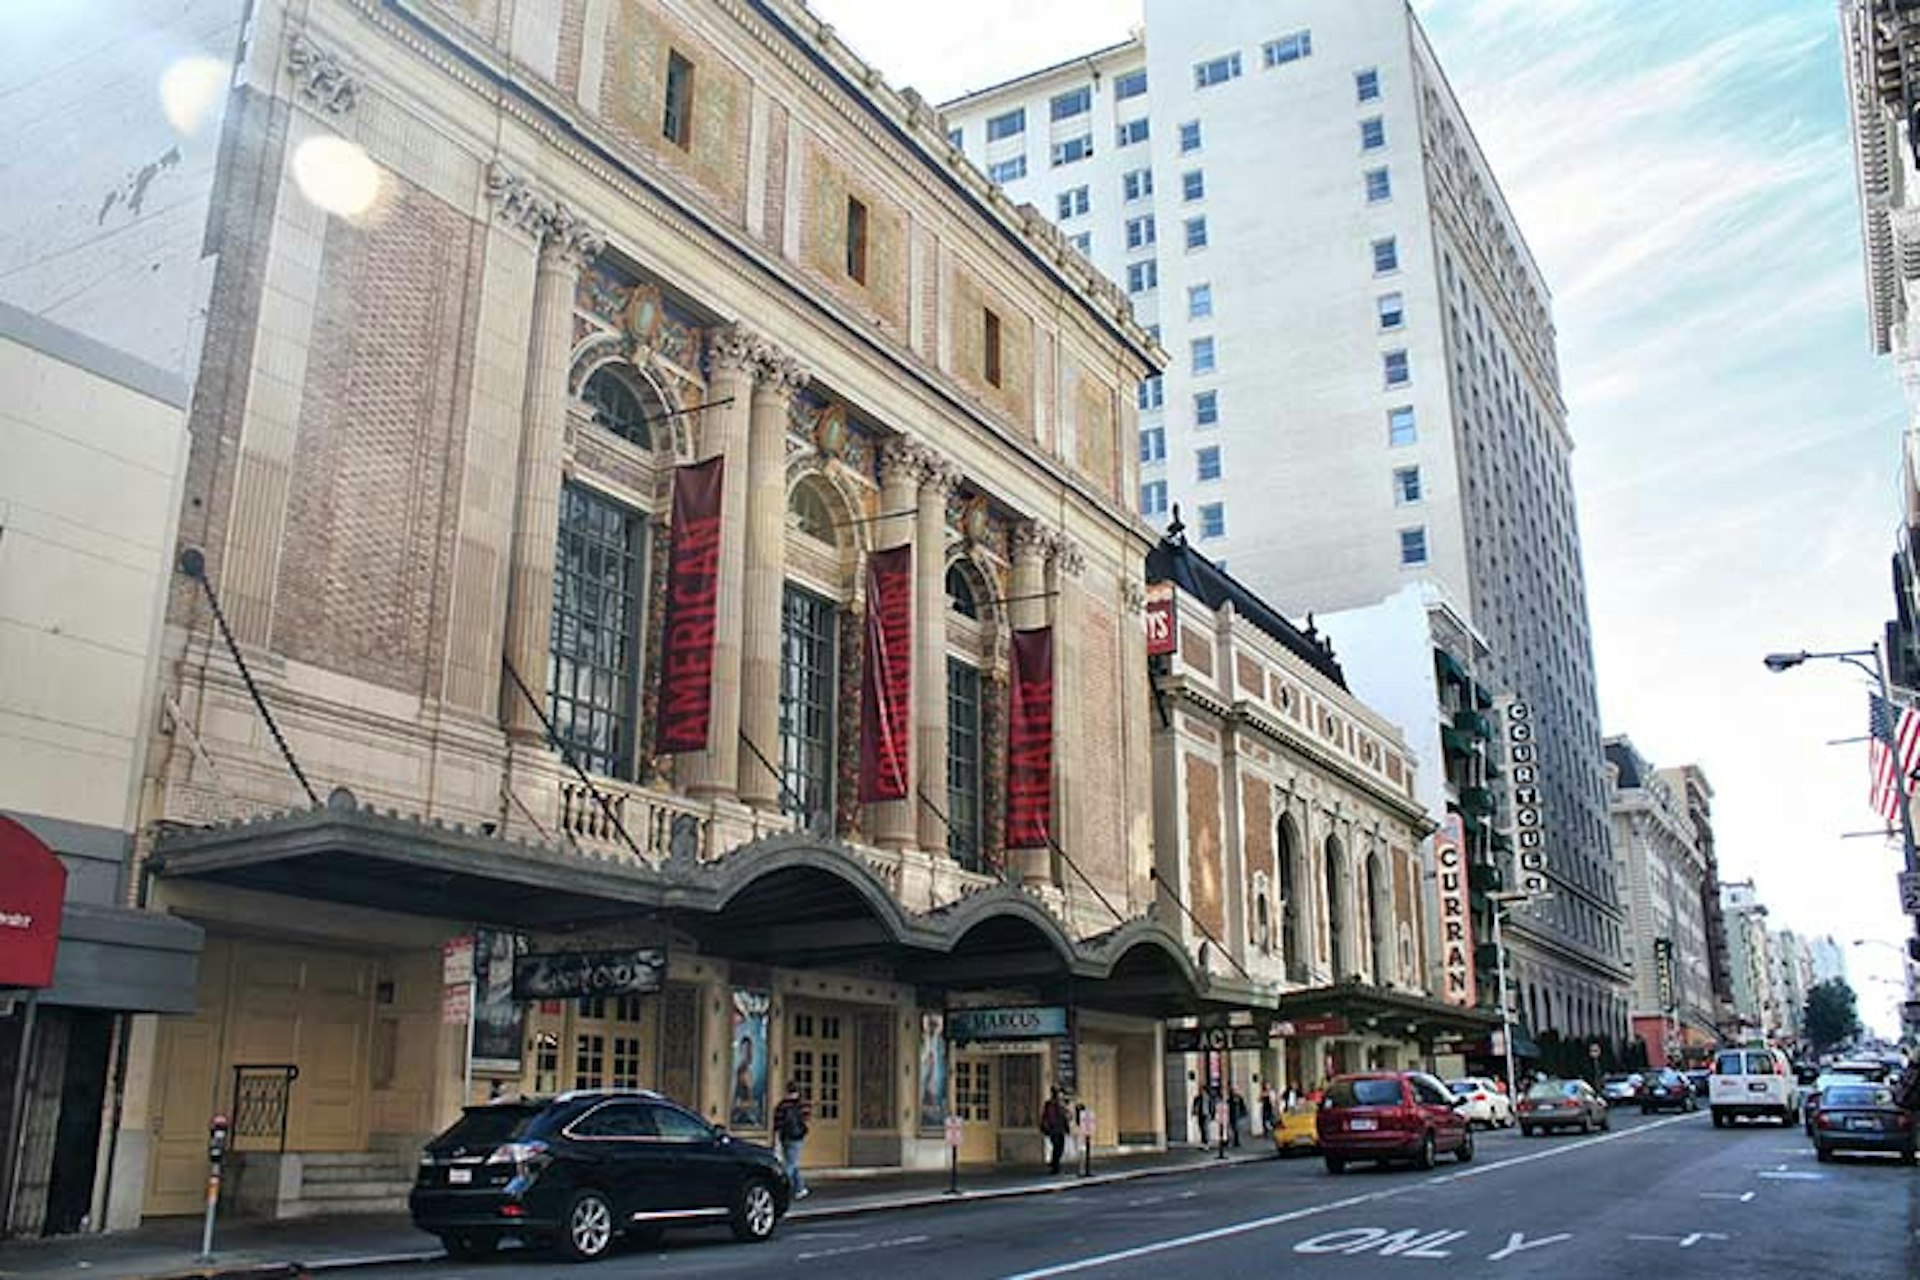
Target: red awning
{"type": "Point", "coordinates": [33, 885]}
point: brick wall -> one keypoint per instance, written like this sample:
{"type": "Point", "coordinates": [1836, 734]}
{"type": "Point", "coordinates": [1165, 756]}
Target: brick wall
{"type": "Point", "coordinates": [370, 524]}
{"type": "Point", "coordinates": [715, 160]}
{"type": "Point", "coordinates": [968, 298]}
{"type": "Point", "coordinates": [1206, 883]}
{"type": "Point", "coordinates": [823, 245]}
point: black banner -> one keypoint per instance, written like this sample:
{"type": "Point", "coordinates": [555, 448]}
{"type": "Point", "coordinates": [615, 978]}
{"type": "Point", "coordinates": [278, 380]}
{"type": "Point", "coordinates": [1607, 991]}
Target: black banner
{"type": "Point", "coordinates": [563, 975]}
{"type": "Point", "coordinates": [1208, 1039]}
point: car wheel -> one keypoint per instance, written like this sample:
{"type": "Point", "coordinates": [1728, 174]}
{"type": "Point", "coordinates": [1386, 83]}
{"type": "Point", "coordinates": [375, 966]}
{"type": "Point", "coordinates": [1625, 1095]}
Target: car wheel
{"type": "Point", "coordinates": [586, 1231]}
{"type": "Point", "coordinates": [1425, 1159]}
{"type": "Point", "coordinates": [1909, 1156]}
{"type": "Point", "coordinates": [1719, 1119]}
{"type": "Point", "coordinates": [754, 1211]}
{"type": "Point", "coordinates": [1646, 1110]}
{"type": "Point", "coordinates": [1606, 1121]}
{"type": "Point", "coordinates": [1586, 1125]}
{"type": "Point", "coordinates": [1526, 1131]}
{"type": "Point", "coordinates": [1823, 1154]}
{"type": "Point", "coordinates": [1465, 1154]}
{"type": "Point", "coordinates": [1336, 1165]}
{"type": "Point", "coordinates": [468, 1245]}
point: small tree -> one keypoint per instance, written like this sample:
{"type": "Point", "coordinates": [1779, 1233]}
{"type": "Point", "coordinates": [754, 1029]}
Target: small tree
{"type": "Point", "coordinates": [1831, 1018]}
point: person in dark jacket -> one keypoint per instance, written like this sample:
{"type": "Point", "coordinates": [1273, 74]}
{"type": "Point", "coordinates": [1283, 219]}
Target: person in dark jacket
{"type": "Point", "coordinates": [1236, 1114]}
{"type": "Point", "coordinates": [790, 1121]}
{"type": "Point", "coordinates": [1053, 1125]}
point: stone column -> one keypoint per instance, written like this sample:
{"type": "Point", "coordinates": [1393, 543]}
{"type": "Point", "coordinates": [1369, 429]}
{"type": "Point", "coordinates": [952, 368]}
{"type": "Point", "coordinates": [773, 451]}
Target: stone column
{"type": "Point", "coordinates": [1026, 609]}
{"type": "Point", "coordinates": [566, 244]}
{"type": "Point", "coordinates": [765, 579]}
{"type": "Point", "coordinates": [901, 464]}
{"type": "Point", "coordinates": [734, 355]}
{"type": "Point", "coordinates": [937, 480]}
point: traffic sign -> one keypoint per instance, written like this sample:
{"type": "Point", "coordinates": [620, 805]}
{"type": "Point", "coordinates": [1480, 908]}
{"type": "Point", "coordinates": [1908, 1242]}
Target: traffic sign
{"type": "Point", "coordinates": [1910, 892]}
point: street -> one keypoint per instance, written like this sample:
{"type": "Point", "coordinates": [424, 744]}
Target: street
{"type": "Point", "coordinates": [1658, 1196]}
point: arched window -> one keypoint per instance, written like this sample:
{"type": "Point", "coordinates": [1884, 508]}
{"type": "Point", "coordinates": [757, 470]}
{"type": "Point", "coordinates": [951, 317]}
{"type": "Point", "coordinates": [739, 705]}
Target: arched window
{"type": "Point", "coordinates": [1293, 947]}
{"type": "Point", "coordinates": [810, 512]}
{"type": "Point", "coordinates": [616, 408]}
{"type": "Point", "coordinates": [960, 596]}
{"type": "Point", "coordinates": [1337, 911]}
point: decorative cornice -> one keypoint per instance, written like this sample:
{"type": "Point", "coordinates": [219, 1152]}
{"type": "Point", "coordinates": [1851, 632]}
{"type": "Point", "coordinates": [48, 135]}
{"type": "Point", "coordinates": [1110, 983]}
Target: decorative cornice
{"type": "Point", "coordinates": [321, 77]}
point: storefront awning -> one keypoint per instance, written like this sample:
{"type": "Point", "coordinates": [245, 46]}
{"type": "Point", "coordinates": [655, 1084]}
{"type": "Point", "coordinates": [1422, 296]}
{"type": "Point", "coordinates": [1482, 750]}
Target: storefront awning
{"type": "Point", "coordinates": [1386, 1011]}
{"type": "Point", "coordinates": [126, 960]}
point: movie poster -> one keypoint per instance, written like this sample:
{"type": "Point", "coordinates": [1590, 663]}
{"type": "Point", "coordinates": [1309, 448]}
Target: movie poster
{"type": "Point", "coordinates": [747, 1104]}
{"type": "Point", "coordinates": [933, 1070]}
{"type": "Point", "coordinates": [499, 1020]}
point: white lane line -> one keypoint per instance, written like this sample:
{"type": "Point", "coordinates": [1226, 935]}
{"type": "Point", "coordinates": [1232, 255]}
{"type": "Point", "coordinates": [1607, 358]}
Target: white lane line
{"type": "Point", "coordinates": [1742, 1196]}
{"type": "Point", "coordinates": [844, 1250]}
{"type": "Point", "coordinates": [1311, 1211]}
{"type": "Point", "coordinates": [1797, 1175]}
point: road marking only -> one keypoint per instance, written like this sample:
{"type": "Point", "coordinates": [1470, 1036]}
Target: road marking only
{"type": "Point", "coordinates": [844, 1250]}
{"type": "Point", "coordinates": [1314, 1211]}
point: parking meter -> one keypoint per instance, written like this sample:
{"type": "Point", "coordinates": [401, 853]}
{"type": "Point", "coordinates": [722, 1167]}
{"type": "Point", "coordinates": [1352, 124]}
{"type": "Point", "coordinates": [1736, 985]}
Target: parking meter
{"type": "Point", "coordinates": [218, 1131]}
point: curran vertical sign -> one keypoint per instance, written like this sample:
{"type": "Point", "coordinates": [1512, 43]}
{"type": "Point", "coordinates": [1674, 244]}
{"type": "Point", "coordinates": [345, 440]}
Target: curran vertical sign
{"type": "Point", "coordinates": [1456, 922]}
{"type": "Point", "coordinates": [1523, 769]}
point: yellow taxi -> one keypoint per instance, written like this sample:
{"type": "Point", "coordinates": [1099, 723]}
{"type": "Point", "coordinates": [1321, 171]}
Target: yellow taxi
{"type": "Point", "coordinates": [1294, 1132]}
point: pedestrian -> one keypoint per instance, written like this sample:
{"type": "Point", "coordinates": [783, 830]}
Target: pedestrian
{"type": "Point", "coordinates": [1236, 1114]}
{"type": "Point", "coordinates": [1267, 1109]}
{"type": "Point", "coordinates": [1291, 1098]}
{"type": "Point", "coordinates": [1202, 1112]}
{"type": "Point", "coordinates": [1053, 1125]}
{"type": "Point", "coordinates": [790, 1121]}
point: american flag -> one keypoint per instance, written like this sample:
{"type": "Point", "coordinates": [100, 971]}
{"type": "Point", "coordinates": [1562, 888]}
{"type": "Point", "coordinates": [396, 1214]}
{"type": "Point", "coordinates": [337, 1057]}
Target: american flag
{"type": "Point", "coordinates": [1893, 754]}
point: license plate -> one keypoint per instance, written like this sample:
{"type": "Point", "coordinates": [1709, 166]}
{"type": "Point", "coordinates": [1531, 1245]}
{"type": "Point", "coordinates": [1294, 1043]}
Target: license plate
{"type": "Point", "coordinates": [1363, 1126]}
{"type": "Point", "coordinates": [457, 1176]}
{"type": "Point", "coordinates": [1861, 1122]}
{"type": "Point", "coordinates": [1756, 1086]}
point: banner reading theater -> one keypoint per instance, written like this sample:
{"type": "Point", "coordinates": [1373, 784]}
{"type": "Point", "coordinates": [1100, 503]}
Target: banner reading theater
{"type": "Point", "coordinates": [1030, 742]}
{"type": "Point", "coordinates": [886, 682]}
{"type": "Point", "coordinates": [693, 597]}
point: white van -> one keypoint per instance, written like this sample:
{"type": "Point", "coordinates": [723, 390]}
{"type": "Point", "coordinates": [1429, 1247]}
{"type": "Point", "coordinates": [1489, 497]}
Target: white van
{"type": "Point", "coordinates": [1753, 1082]}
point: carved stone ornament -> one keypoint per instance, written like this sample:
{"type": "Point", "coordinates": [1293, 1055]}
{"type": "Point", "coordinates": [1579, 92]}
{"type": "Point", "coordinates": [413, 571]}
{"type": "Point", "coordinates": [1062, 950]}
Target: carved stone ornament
{"type": "Point", "coordinates": [569, 240]}
{"type": "Point", "coordinates": [515, 202]}
{"type": "Point", "coordinates": [902, 459]}
{"type": "Point", "coordinates": [1032, 540]}
{"type": "Point", "coordinates": [1133, 597]}
{"type": "Point", "coordinates": [1069, 557]}
{"type": "Point", "coordinates": [780, 372]}
{"type": "Point", "coordinates": [319, 76]}
{"type": "Point", "coordinates": [734, 346]}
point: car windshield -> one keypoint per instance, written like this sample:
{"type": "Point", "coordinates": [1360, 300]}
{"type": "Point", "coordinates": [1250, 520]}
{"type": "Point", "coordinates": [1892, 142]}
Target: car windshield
{"type": "Point", "coordinates": [1553, 1090]}
{"type": "Point", "coordinates": [488, 1126]}
{"type": "Point", "coordinates": [1363, 1093]}
{"type": "Point", "coordinates": [1856, 1095]}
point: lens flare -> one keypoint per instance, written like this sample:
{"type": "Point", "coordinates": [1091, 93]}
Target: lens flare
{"type": "Point", "coordinates": [190, 92]}
{"type": "Point", "coordinates": [337, 175]}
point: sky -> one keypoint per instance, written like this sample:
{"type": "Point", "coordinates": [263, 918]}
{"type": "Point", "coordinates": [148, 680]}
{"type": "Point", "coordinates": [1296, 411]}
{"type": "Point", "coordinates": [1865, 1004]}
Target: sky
{"type": "Point", "coordinates": [1683, 174]}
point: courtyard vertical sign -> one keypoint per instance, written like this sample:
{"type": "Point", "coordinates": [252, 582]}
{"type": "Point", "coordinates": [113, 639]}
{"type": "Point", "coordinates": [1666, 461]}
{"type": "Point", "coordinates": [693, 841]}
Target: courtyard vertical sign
{"type": "Point", "coordinates": [1523, 768]}
{"type": "Point", "coordinates": [1456, 922]}
{"type": "Point", "coordinates": [1030, 742]}
{"type": "Point", "coordinates": [693, 600]}
{"type": "Point", "coordinates": [886, 681]}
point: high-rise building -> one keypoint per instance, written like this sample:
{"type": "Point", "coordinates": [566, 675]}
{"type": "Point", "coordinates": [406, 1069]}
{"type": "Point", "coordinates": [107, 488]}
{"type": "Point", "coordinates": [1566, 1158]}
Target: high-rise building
{"type": "Point", "coordinates": [1748, 959]}
{"type": "Point", "coordinates": [1363, 392]}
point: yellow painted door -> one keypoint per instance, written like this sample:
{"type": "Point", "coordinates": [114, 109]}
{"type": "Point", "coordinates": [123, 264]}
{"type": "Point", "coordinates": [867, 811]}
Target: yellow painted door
{"type": "Point", "coordinates": [819, 1057]}
{"type": "Point", "coordinates": [975, 1102]}
{"type": "Point", "coordinates": [1100, 1078]}
{"type": "Point", "coordinates": [335, 1023]}
{"type": "Point", "coordinates": [186, 1083]}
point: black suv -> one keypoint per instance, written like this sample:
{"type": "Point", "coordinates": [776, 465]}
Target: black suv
{"type": "Point", "coordinates": [580, 1169]}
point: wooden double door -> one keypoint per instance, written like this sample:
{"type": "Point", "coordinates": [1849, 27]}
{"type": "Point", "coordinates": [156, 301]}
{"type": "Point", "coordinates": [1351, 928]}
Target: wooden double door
{"type": "Point", "coordinates": [820, 1062]}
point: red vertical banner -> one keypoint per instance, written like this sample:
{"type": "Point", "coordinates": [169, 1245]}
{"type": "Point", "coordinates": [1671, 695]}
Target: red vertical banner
{"type": "Point", "coordinates": [693, 598]}
{"type": "Point", "coordinates": [886, 681]}
{"type": "Point", "coordinates": [1030, 741]}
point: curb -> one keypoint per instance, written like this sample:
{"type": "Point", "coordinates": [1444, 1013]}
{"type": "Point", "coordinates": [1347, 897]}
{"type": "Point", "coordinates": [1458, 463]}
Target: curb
{"type": "Point", "coordinates": [821, 1213]}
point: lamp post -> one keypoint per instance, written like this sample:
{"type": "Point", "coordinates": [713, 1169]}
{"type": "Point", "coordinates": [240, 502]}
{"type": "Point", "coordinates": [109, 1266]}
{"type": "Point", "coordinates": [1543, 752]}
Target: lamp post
{"type": "Point", "coordinates": [1501, 900]}
{"type": "Point", "coordinates": [1778, 662]}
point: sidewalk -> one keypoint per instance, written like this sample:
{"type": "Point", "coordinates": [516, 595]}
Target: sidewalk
{"type": "Point", "coordinates": [169, 1248]}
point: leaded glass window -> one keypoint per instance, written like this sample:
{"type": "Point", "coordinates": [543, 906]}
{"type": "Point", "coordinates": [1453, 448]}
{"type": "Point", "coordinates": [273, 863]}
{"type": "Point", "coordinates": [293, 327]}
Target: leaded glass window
{"type": "Point", "coordinates": [963, 763]}
{"type": "Point", "coordinates": [616, 408]}
{"type": "Point", "coordinates": [594, 642]}
{"type": "Point", "coordinates": [809, 633]}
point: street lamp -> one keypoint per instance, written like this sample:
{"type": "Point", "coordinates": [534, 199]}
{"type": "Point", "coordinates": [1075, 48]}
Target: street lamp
{"type": "Point", "coordinates": [1778, 662]}
{"type": "Point", "coordinates": [1502, 901]}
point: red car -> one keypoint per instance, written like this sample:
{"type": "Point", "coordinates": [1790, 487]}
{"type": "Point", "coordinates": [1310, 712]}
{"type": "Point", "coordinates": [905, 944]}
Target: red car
{"type": "Point", "coordinates": [1391, 1115]}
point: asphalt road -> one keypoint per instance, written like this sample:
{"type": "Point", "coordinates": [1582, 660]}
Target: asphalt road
{"type": "Point", "coordinates": [1657, 1197]}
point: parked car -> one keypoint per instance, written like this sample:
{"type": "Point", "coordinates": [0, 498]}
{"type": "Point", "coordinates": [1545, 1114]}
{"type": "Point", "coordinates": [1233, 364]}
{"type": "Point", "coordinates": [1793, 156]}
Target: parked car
{"type": "Point", "coordinates": [1860, 1115]}
{"type": "Point", "coordinates": [1753, 1082]}
{"type": "Point", "coordinates": [1482, 1102]}
{"type": "Point", "coordinates": [1664, 1088]}
{"type": "Point", "coordinates": [1699, 1078]}
{"type": "Point", "coordinates": [1621, 1086]}
{"type": "Point", "coordinates": [1390, 1115]}
{"type": "Point", "coordinates": [1562, 1104]}
{"type": "Point", "coordinates": [579, 1169]}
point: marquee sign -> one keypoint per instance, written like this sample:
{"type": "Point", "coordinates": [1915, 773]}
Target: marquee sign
{"type": "Point", "coordinates": [1031, 1022]}
{"type": "Point", "coordinates": [1456, 920]}
{"type": "Point", "coordinates": [563, 975]}
{"type": "Point", "coordinates": [33, 889]}
{"type": "Point", "coordinates": [1523, 770]}
{"type": "Point", "coordinates": [1213, 1039]}
{"type": "Point", "coordinates": [1163, 635]}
